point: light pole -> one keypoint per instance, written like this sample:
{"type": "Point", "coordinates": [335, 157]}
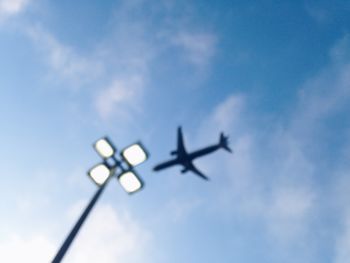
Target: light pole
{"type": "Point", "coordinates": [130, 157]}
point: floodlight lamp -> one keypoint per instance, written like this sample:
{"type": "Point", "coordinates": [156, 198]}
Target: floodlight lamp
{"type": "Point", "coordinates": [104, 148]}
{"type": "Point", "coordinates": [134, 154]}
{"type": "Point", "coordinates": [130, 182]}
{"type": "Point", "coordinates": [99, 174]}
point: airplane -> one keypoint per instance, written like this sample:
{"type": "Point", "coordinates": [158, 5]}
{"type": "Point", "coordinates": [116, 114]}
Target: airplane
{"type": "Point", "coordinates": [185, 159]}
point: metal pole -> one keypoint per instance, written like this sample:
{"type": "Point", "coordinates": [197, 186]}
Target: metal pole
{"type": "Point", "coordinates": [60, 254]}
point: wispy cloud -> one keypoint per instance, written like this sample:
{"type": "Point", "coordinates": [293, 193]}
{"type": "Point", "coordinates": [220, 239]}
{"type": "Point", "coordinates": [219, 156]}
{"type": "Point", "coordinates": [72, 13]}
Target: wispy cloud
{"type": "Point", "coordinates": [64, 62]}
{"type": "Point", "coordinates": [121, 62]}
{"type": "Point", "coordinates": [342, 246]}
{"type": "Point", "coordinates": [321, 14]}
{"type": "Point", "coordinates": [37, 248]}
{"type": "Point", "coordinates": [198, 48]}
{"type": "Point", "coordinates": [273, 176]}
{"type": "Point", "coordinates": [121, 97]}
{"type": "Point", "coordinates": [12, 7]}
{"type": "Point", "coordinates": [180, 210]}
{"type": "Point", "coordinates": [339, 201]}
{"type": "Point", "coordinates": [108, 236]}
{"type": "Point", "coordinates": [289, 212]}
{"type": "Point", "coordinates": [136, 54]}
{"type": "Point", "coordinates": [273, 163]}
{"type": "Point", "coordinates": [229, 112]}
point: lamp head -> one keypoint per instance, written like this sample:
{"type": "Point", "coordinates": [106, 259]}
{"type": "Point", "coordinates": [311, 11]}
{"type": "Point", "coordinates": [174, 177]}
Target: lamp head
{"type": "Point", "coordinates": [104, 147]}
{"type": "Point", "coordinates": [134, 154]}
{"type": "Point", "coordinates": [130, 182]}
{"type": "Point", "coordinates": [99, 174]}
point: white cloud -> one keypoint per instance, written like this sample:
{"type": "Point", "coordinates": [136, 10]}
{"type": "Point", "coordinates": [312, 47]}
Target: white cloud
{"type": "Point", "coordinates": [268, 178]}
{"type": "Point", "coordinates": [326, 93]}
{"type": "Point", "coordinates": [12, 7]}
{"type": "Point", "coordinates": [37, 248]}
{"type": "Point", "coordinates": [340, 196]}
{"type": "Point", "coordinates": [321, 14]}
{"type": "Point", "coordinates": [228, 113]}
{"type": "Point", "coordinates": [339, 199]}
{"type": "Point", "coordinates": [121, 97]}
{"type": "Point", "coordinates": [108, 236]}
{"type": "Point", "coordinates": [288, 212]}
{"type": "Point", "coordinates": [65, 63]}
{"type": "Point", "coordinates": [342, 247]}
{"type": "Point", "coordinates": [116, 68]}
{"type": "Point", "coordinates": [180, 210]}
{"type": "Point", "coordinates": [272, 178]}
{"type": "Point", "coordinates": [199, 48]}
{"type": "Point", "coordinates": [125, 53]}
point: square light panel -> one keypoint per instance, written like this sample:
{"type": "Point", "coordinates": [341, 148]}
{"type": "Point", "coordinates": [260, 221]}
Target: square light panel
{"type": "Point", "coordinates": [99, 174]}
{"type": "Point", "coordinates": [130, 182]}
{"type": "Point", "coordinates": [134, 154]}
{"type": "Point", "coordinates": [104, 148]}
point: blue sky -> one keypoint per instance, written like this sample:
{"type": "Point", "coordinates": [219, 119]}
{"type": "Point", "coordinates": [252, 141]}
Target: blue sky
{"type": "Point", "coordinates": [274, 76]}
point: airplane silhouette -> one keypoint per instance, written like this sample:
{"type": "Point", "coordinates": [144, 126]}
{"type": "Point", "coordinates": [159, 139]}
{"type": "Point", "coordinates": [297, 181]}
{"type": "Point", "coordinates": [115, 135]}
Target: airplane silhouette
{"type": "Point", "coordinates": [185, 159]}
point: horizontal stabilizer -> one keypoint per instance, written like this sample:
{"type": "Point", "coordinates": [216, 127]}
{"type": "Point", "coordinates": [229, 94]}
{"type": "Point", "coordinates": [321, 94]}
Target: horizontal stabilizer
{"type": "Point", "coordinates": [223, 143]}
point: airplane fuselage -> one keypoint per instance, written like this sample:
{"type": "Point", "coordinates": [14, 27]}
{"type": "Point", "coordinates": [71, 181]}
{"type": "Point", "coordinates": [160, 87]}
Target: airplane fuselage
{"type": "Point", "coordinates": [204, 151]}
{"type": "Point", "coordinates": [185, 159]}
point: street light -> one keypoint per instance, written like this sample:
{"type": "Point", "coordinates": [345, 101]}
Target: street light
{"type": "Point", "coordinates": [131, 156]}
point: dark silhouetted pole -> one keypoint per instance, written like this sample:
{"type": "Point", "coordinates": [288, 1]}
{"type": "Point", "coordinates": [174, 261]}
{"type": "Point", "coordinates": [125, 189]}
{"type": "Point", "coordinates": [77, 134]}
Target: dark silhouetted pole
{"type": "Point", "coordinates": [65, 246]}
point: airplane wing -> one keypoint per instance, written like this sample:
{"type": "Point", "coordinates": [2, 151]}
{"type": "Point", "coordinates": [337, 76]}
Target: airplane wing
{"type": "Point", "coordinates": [181, 151]}
{"type": "Point", "coordinates": [193, 168]}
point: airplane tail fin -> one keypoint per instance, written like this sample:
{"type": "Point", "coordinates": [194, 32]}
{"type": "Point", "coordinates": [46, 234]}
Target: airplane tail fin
{"type": "Point", "coordinates": [224, 142]}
